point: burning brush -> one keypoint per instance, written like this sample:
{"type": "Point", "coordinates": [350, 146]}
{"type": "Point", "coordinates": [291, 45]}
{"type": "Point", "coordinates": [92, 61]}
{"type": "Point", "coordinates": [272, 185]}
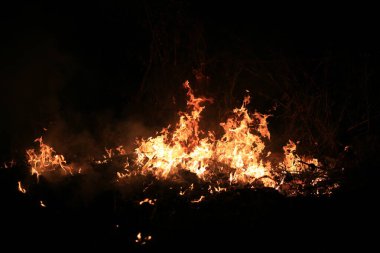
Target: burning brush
{"type": "Point", "coordinates": [238, 158]}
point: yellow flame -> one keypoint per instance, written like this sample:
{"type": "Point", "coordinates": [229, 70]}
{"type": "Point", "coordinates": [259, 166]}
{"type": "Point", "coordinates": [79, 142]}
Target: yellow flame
{"type": "Point", "coordinates": [42, 204]}
{"type": "Point", "coordinates": [200, 199]}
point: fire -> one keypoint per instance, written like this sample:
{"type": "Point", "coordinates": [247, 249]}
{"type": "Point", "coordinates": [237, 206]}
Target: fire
{"type": "Point", "coordinates": [239, 156]}
{"type": "Point", "coordinates": [20, 187]}
{"type": "Point", "coordinates": [42, 204]}
{"type": "Point", "coordinates": [181, 148]}
{"type": "Point", "coordinates": [142, 239]}
{"type": "Point", "coordinates": [242, 145]}
{"type": "Point", "coordinates": [294, 163]}
{"type": "Point", "coordinates": [149, 201]}
{"type": "Point", "coordinates": [45, 159]}
{"type": "Point", "coordinates": [187, 147]}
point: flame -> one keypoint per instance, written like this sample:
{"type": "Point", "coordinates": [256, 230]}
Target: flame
{"type": "Point", "coordinates": [149, 201]}
{"type": "Point", "coordinates": [45, 159]}
{"type": "Point", "coordinates": [239, 155]}
{"type": "Point", "coordinates": [187, 147]}
{"type": "Point", "coordinates": [201, 198]}
{"type": "Point", "coordinates": [182, 148]}
{"type": "Point", "coordinates": [8, 165]}
{"type": "Point", "coordinates": [42, 204]}
{"type": "Point", "coordinates": [293, 163]}
{"type": "Point", "coordinates": [290, 160]}
{"type": "Point", "coordinates": [20, 187]}
{"type": "Point", "coordinates": [242, 145]}
{"type": "Point", "coordinates": [142, 239]}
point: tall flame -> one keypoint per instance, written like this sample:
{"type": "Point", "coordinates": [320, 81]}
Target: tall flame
{"type": "Point", "coordinates": [242, 144]}
{"type": "Point", "coordinates": [182, 148]}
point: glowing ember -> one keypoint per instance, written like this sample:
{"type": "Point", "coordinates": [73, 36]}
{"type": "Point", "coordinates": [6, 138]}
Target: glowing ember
{"type": "Point", "coordinates": [242, 145]}
{"type": "Point", "coordinates": [142, 239]}
{"type": "Point", "coordinates": [198, 200]}
{"type": "Point", "coordinates": [148, 201]}
{"type": "Point", "coordinates": [110, 153]}
{"type": "Point", "coordinates": [21, 188]}
{"type": "Point", "coordinates": [294, 163]}
{"type": "Point", "coordinates": [45, 159]}
{"type": "Point", "coordinates": [218, 189]}
{"type": "Point", "coordinates": [182, 193]}
{"type": "Point", "coordinates": [9, 164]}
{"type": "Point", "coordinates": [42, 204]}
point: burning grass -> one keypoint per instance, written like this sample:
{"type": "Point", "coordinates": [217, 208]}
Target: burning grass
{"type": "Point", "coordinates": [238, 158]}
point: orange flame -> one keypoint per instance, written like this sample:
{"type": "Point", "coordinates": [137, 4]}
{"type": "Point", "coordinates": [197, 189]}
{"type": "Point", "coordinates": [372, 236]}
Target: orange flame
{"type": "Point", "coordinates": [240, 148]}
{"type": "Point", "coordinates": [20, 187]}
{"type": "Point", "coordinates": [142, 239]}
{"type": "Point", "coordinates": [182, 148]}
{"type": "Point", "coordinates": [45, 159]}
{"type": "Point", "coordinates": [238, 155]}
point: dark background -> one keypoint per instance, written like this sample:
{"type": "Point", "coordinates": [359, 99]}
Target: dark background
{"type": "Point", "coordinates": [100, 74]}
{"type": "Point", "coordinates": [88, 67]}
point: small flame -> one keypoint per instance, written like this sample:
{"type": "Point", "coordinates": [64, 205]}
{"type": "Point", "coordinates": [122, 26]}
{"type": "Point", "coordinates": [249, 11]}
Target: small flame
{"type": "Point", "coordinates": [109, 153]}
{"type": "Point", "coordinates": [42, 204]}
{"type": "Point", "coordinates": [121, 150]}
{"type": "Point", "coordinates": [142, 239]}
{"type": "Point", "coordinates": [201, 198]}
{"type": "Point", "coordinates": [237, 156]}
{"type": "Point", "coordinates": [21, 188]}
{"type": "Point", "coordinates": [10, 164]}
{"type": "Point", "coordinates": [149, 201]}
{"type": "Point", "coordinates": [46, 159]}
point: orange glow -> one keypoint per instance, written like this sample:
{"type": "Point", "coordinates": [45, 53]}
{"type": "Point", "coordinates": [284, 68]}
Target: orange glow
{"type": "Point", "coordinates": [201, 198]}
